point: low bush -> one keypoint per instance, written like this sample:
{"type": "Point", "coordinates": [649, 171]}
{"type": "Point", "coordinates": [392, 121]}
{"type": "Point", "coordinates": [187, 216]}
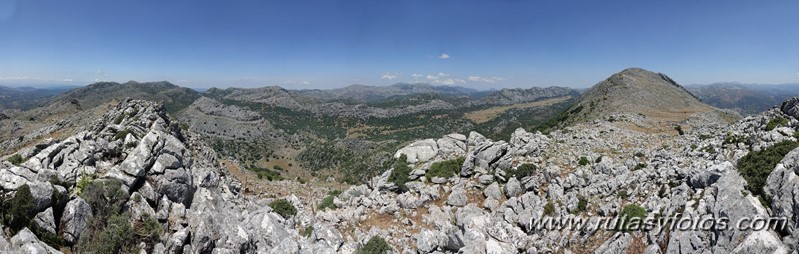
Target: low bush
{"type": "Point", "coordinates": [522, 171]}
{"type": "Point", "coordinates": [628, 212]}
{"type": "Point", "coordinates": [549, 208]}
{"type": "Point", "coordinates": [110, 230]}
{"type": "Point", "coordinates": [121, 134]}
{"type": "Point", "coordinates": [735, 139]}
{"type": "Point", "coordinates": [583, 161]}
{"type": "Point", "coordinates": [375, 245]}
{"type": "Point", "coordinates": [117, 235]}
{"type": "Point", "coordinates": [105, 197]}
{"type": "Point", "coordinates": [640, 166]}
{"type": "Point", "coordinates": [757, 165]}
{"type": "Point", "coordinates": [148, 230]}
{"type": "Point", "coordinates": [308, 231]}
{"type": "Point", "coordinates": [622, 194]}
{"type": "Point", "coordinates": [263, 173]}
{"type": "Point", "coordinates": [776, 122]}
{"type": "Point", "coordinates": [283, 207]}
{"type": "Point", "coordinates": [582, 203]}
{"type": "Point", "coordinates": [400, 174]}
{"type": "Point", "coordinates": [119, 119]}
{"type": "Point", "coordinates": [20, 210]}
{"type": "Point", "coordinates": [445, 168]}
{"type": "Point", "coordinates": [16, 159]}
{"type": "Point", "coordinates": [326, 203]}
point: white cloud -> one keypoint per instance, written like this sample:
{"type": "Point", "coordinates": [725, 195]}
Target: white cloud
{"type": "Point", "coordinates": [416, 76]}
{"type": "Point", "coordinates": [485, 79]}
{"type": "Point", "coordinates": [443, 56]}
{"type": "Point", "coordinates": [443, 79]}
{"type": "Point", "coordinates": [390, 76]}
{"type": "Point", "coordinates": [297, 82]}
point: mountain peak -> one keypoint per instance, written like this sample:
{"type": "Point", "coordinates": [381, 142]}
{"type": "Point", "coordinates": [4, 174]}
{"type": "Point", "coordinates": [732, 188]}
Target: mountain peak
{"type": "Point", "coordinates": [636, 91]}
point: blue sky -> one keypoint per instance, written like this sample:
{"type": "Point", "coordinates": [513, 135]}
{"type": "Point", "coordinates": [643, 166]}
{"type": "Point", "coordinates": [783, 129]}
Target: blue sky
{"type": "Point", "coordinates": [324, 44]}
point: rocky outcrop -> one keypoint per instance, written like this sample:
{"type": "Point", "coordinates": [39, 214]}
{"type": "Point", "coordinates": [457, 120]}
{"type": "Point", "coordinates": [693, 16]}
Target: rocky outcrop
{"type": "Point", "coordinates": [488, 205]}
{"type": "Point", "coordinates": [76, 215]}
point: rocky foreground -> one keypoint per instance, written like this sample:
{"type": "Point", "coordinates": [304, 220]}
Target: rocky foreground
{"type": "Point", "coordinates": [170, 179]}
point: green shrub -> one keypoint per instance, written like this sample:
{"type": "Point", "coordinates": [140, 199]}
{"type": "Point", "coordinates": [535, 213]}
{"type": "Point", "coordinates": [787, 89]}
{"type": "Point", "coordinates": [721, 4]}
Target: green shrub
{"type": "Point", "coordinates": [445, 168]}
{"type": "Point", "coordinates": [522, 171]}
{"type": "Point", "coordinates": [583, 161]}
{"type": "Point", "coordinates": [776, 122]}
{"type": "Point", "coordinates": [622, 194]}
{"type": "Point", "coordinates": [82, 183]}
{"type": "Point", "coordinates": [117, 235]}
{"type": "Point", "coordinates": [375, 245]}
{"type": "Point", "coordinates": [640, 154]}
{"type": "Point", "coordinates": [119, 119]}
{"type": "Point", "coordinates": [549, 208]}
{"type": "Point", "coordinates": [735, 139]}
{"type": "Point", "coordinates": [640, 166]}
{"type": "Point", "coordinates": [334, 193]}
{"type": "Point", "coordinates": [21, 211]}
{"type": "Point", "coordinates": [679, 130]}
{"type": "Point", "coordinates": [16, 159]}
{"type": "Point", "coordinates": [110, 230]}
{"type": "Point", "coordinates": [400, 174]}
{"type": "Point", "coordinates": [148, 230]}
{"type": "Point", "coordinates": [263, 173]}
{"type": "Point", "coordinates": [599, 159]}
{"type": "Point", "coordinates": [308, 231]}
{"type": "Point", "coordinates": [757, 165]}
{"type": "Point", "coordinates": [283, 207]}
{"type": "Point", "coordinates": [630, 211]}
{"type": "Point", "coordinates": [327, 202]}
{"type": "Point", "coordinates": [48, 238]}
{"type": "Point", "coordinates": [708, 149]}
{"type": "Point", "coordinates": [107, 231]}
{"type": "Point", "coordinates": [121, 134]}
{"type": "Point", "coordinates": [582, 203]}
{"type": "Point", "coordinates": [105, 197]}
{"type": "Point", "coordinates": [795, 134]}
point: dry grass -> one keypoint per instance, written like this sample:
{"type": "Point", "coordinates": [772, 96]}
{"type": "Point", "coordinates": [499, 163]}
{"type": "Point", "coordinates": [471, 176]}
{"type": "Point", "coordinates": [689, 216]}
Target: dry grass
{"type": "Point", "coordinates": [485, 115]}
{"type": "Point", "coordinates": [636, 246]}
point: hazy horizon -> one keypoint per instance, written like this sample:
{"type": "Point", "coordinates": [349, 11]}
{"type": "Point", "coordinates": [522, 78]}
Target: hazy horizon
{"type": "Point", "coordinates": [332, 44]}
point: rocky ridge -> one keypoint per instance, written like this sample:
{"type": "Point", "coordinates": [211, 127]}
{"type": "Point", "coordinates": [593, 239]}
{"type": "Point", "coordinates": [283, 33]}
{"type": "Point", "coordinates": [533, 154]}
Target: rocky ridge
{"type": "Point", "coordinates": [481, 208]}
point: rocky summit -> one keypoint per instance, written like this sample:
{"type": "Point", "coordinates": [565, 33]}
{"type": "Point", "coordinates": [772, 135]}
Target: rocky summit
{"type": "Point", "coordinates": [136, 180]}
{"type": "Point", "coordinates": [652, 97]}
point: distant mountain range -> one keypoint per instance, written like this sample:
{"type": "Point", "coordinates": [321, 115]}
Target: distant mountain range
{"type": "Point", "coordinates": [747, 99]}
{"type": "Point", "coordinates": [23, 98]}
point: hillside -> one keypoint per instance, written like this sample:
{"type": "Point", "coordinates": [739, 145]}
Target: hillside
{"type": "Point", "coordinates": [650, 100]}
{"type": "Point", "coordinates": [362, 93]}
{"type": "Point", "coordinates": [175, 98]}
{"type": "Point", "coordinates": [352, 140]}
{"type": "Point", "coordinates": [133, 179]}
